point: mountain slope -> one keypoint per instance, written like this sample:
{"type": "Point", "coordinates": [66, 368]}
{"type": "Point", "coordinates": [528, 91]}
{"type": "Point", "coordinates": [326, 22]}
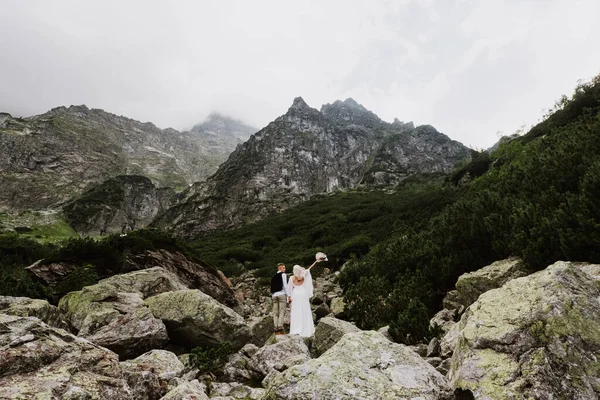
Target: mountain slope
{"type": "Point", "coordinates": [306, 152]}
{"type": "Point", "coordinates": [49, 159]}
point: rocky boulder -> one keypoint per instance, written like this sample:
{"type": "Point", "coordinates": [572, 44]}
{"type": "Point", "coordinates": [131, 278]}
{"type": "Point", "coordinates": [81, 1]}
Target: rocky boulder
{"type": "Point", "coordinates": [235, 391]}
{"type": "Point", "coordinates": [112, 314]}
{"type": "Point", "coordinates": [282, 353]}
{"type": "Point", "coordinates": [52, 273]}
{"type": "Point", "coordinates": [195, 319]}
{"type": "Point", "coordinates": [328, 332]}
{"type": "Point", "coordinates": [192, 390]}
{"type": "Point", "coordinates": [363, 365]}
{"type": "Point", "coordinates": [151, 372]}
{"type": "Point", "coordinates": [470, 285]}
{"type": "Point", "coordinates": [261, 329]}
{"type": "Point", "coordinates": [338, 307]}
{"type": "Point", "coordinates": [39, 361]}
{"type": "Point", "coordinates": [26, 307]}
{"type": "Point", "coordinates": [194, 275]}
{"type": "Point", "coordinates": [535, 337]}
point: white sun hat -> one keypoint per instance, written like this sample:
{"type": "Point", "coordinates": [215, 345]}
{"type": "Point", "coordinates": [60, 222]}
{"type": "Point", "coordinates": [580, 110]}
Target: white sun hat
{"type": "Point", "coordinates": [321, 256]}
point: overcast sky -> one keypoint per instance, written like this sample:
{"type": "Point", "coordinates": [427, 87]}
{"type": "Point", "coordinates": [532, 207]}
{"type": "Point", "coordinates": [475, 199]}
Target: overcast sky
{"type": "Point", "coordinates": [469, 68]}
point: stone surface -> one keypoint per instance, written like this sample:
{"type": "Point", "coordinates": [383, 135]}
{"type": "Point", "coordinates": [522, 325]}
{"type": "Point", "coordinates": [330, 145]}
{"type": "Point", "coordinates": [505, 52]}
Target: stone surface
{"type": "Point", "coordinates": [449, 340]}
{"type": "Point", "coordinates": [321, 311]}
{"type": "Point", "coordinates": [163, 363]}
{"type": "Point", "coordinates": [192, 390]}
{"type": "Point", "coordinates": [328, 332]}
{"type": "Point", "coordinates": [338, 307]}
{"type": "Point", "coordinates": [39, 361]}
{"type": "Point", "coordinates": [238, 369]}
{"type": "Point", "coordinates": [285, 351]}
{"type": "Point", "coordinates": [235, 391]}
{"type": "Point", "coordinates": [112, 313]}
{"type": "Point", "coordinates": [444, 319]}
{"type": "Point", "coordinates": [193, 275]}
{"type": "Point", "coordinates": [535, 337]}
{"type": "Point", "coordinates": [470, 285]}
{"type": "Point", "coordinates": [261, 329]}
{"type": "Point", "coordinates": [385, 331]}
{"type": "Point", "coordinates": [195, 319]}
{"type": "Point", "coordinates": [363, 365]}
{"type": "Point", "coordinates": [52, 273]}
{"type": "Point", "coordinates": [131, 333]}
{"type": "Point", "coordinates": [433, 349]}
{"type": "Point", "coordinates": [26, 307]}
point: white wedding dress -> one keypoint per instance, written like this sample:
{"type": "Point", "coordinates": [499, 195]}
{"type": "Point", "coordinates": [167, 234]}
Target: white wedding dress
{"type": "Point", "coordinates": [301, 319]}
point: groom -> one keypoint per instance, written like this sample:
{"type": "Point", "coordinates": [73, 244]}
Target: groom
{"type": "Point", "coordinates": [279, 294]}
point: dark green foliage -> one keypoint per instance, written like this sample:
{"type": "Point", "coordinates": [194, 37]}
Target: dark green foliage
{"type": "Point", "coordinates": [85, 275]}
{"type": "Point", "coordinates": [96, 259]}
{"type": "Point", "coordinates": [411, 326]}
{"type": "Point", "coordinates": [340, 224]}
{"type": "Point", "coordinates": [209, 360]}
{"type": "Point", "coordinates": [16, 253]}
{"type": "Point", "coordinates": [538, 200]}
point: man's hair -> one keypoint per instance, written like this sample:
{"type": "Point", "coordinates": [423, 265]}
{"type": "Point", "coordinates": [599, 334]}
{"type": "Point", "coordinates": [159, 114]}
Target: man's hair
{"type": "Point", "coordinates": [280, 265]}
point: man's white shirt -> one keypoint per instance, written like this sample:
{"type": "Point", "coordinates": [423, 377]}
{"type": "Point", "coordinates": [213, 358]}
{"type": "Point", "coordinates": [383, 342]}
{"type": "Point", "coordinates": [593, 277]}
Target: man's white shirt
{"type": "Point", "coordinates": [286, 289]}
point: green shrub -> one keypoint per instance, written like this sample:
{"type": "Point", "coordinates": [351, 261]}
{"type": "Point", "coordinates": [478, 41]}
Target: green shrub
{"type": "Point", "coordinates": [411, 326]}
{"type": "Point", "coordinates": [209, 360]}
{"type": "Point", "coordinates": [85, 275]}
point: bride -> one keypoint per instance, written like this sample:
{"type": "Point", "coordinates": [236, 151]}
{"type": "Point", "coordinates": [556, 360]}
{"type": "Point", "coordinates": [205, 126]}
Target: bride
{"type": "Point", "coordinates": [301, 287]}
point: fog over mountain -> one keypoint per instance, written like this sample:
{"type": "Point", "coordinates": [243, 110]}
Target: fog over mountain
{"type": "Point", "coordinates": [471, 69]}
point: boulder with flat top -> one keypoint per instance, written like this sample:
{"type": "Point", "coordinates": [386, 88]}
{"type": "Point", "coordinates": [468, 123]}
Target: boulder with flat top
{"type": "Point", "coordinates": [535, 337]}
{"type": "Point", "coordinates": [362, 365]}
{"type": "Point", "coordinates": [195, 319]}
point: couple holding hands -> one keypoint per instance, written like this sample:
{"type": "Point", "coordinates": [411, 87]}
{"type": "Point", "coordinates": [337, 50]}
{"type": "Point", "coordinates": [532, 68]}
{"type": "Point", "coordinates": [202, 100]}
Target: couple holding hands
{"type": "Point", "coordinates": [297, 292]}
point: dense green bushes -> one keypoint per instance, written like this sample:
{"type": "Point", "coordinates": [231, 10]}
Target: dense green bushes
{"type": "Point", "coordinates": [538, 200]}
{"type": "Point", "coordinates": [341, 224]}
{"type": "Point", "coordinates": [96, 259]}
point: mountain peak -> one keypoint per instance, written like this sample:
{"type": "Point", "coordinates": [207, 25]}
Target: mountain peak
{"type": "Point", "coordinates": [299, 103]}
{"type": "Point", "coordinates": [223, 125]}
{"type": "Point", "coordinates": [350, 112]}
{"type": "Point", "coordinates": [350, 102]}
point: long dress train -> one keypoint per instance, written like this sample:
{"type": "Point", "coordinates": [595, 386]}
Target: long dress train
{"type": "Point", "coordinates": [301, 319]}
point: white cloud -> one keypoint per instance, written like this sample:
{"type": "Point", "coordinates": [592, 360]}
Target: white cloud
{"type": "Point", "coordinates": [470, 68]}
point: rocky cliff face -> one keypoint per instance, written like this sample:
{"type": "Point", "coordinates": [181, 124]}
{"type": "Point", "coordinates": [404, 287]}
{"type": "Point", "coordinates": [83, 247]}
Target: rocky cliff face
{"type": "Point", "coordinates": [49, 159]}
{"type": "Point", "coordinates": [116, 205]}
{"type": "Point", "coordinates": [306, 152]}
{"type": "Point", "coordinates": [221, 134]}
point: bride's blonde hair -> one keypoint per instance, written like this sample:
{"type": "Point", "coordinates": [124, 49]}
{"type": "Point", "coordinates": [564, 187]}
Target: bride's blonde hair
{"type": "Point", "coordinates": [298, 272]}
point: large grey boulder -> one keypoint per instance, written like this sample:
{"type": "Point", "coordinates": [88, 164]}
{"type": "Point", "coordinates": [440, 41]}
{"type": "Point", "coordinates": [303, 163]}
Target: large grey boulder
{"type": "Point", "coordinates": [536, 337]}
{"type": "Point", "coordinates": [130, 334]}
{"type": "Point", "coordinates": [150, 373]}
{"type": "Point", "coordinates": [235, 391]}
{"type": "Point", "coordinates": [112, 313]}
{"type": "Point", "coordinates": [363, 365]}
{"type": "Point", "coordinates": [192, 390]}
{"type": "Point", "coordinates": [51, 272]}
{"type": "Point", "coordinates": [328, 332]}
{"type": "Point", "coordinates": [42, 362]}
{"type": "Point", "coordinates": [283, 352]}
{"type": "Point", "coordinates": [338, 307]}
{"type": "Point", "coordinates": [194, 275]}
{"type": "Point", "coordinates": [261, 329]}
{"type": "Point", "coordinates": [471, 285]}
{"type": "Point", "coordinates": [26, 307]}
{"type": "Point", "coordinates": [195, 319]}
